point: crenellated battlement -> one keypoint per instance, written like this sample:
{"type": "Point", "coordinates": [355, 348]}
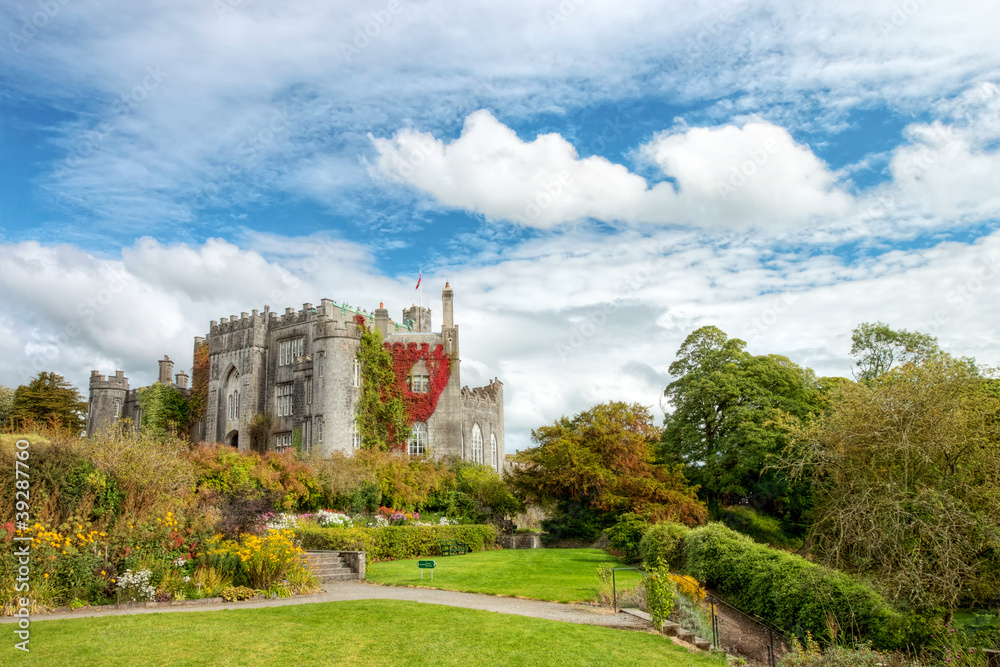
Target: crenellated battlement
{"type": "Point", "coordinates": [490, 393]}
{"type": "Point", "coordinates": [117, 381]}
{"type": "Point", "coordinates": [330, 315]}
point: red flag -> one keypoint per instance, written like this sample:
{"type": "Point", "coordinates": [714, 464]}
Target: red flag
{"type": "Point", "coordinates": [419, 278]}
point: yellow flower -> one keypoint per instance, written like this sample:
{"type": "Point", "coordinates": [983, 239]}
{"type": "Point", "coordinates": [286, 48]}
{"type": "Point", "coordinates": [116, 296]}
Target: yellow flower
{"type": "Point", "coordinates": [103, 573]}
{"type": "Point", "coordinates": [46, 575]}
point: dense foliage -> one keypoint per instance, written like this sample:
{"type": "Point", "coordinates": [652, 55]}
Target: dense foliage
{"type": "Point", "coordinates": [906, 471]}
{"type": "Point", "coordinates": [728, 419]}
{"type": "Point", "coordinates": [792, 593]}
{"type": "Point", "coordinates": [600, 464]}
{"type": "Point", "coordinates": [164, 409]}
{"type": "Point", "coordinates": [381, 411]}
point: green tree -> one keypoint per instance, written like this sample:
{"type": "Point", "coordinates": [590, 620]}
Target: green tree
{"type": "Point", "coordinates": [730, 411]}
{"type": "Point", "coordinates": [6, 406]}
{"type": "Point", "coordinates": [906, 471]}
{"type": "Point", "coordinates": [599, 464]}
{"type": "Point", "coordinates": [876, 347]}
{"type": "Point", "coordinates": [49, 398]}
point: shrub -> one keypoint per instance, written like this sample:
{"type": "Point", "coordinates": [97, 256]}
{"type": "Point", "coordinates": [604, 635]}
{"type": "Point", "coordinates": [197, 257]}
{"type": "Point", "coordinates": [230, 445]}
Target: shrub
{"type": "Point", "coordinates": [660, 594]}
{"type": "Point", "coordinates": [759, 527]}
{"type": "Point", "coordinates": [263, 560]}
{"type": "Point", "coordinates": [792, 593]}
{"type": "Point", "coordinates": [234, 593]}
{"type": "Point", "coordinates": [663, 542]}
{"type": "Point", "coordinates": [624, 537]}
{"type": "Point", "coordinates": [395, 542]}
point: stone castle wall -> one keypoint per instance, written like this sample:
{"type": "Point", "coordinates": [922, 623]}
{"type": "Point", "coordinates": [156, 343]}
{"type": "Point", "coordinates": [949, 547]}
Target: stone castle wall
{"type": "Point", "coordinates": [244, 357]}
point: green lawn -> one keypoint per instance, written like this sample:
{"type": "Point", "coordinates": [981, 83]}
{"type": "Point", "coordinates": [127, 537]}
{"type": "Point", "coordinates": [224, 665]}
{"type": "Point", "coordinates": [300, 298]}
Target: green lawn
{"type": "Point", "coordinates": [561, 575]}
{"type": "Point", "coordinates": [368, 632]}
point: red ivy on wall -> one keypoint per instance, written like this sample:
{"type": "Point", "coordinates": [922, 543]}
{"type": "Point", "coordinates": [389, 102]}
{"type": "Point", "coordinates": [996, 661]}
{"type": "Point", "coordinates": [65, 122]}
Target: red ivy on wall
{"type": "Point", "coordinates": [420, 406]}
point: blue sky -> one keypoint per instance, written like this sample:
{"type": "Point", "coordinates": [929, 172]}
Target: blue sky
{"type": "Point", "coordinates": [595, 181]}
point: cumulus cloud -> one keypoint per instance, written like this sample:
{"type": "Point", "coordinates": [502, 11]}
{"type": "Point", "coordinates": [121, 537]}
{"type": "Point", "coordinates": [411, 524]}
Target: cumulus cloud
{"type": "Point", "coordinates": [755, 175]}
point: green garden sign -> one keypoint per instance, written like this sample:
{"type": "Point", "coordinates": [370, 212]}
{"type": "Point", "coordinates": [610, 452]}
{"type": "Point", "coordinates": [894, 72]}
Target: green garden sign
{"type": "Point", "coordinates": [426, 565]}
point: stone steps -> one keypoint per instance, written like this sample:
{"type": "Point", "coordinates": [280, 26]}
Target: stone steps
{"type": "Point", "coordinates": [672, 629]}
{"type": "Point", "coordinates": [330, 567]}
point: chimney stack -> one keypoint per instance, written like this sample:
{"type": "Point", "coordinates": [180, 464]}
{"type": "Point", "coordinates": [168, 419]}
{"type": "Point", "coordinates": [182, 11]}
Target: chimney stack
{"type": "Point", "coordinates": [166, 370]}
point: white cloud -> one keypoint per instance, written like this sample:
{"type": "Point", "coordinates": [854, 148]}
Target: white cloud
{"type": "Point", "coordinates": [750, 176]}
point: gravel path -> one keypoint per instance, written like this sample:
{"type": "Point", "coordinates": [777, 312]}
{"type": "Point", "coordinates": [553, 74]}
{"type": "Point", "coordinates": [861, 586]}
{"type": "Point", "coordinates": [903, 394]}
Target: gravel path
{"type": "Point", "coordinates": [350, 590]}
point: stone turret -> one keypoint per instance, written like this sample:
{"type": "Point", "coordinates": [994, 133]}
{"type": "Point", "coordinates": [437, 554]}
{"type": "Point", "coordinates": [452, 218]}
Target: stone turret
{"type": "Point", "coordinates": [107, 400]}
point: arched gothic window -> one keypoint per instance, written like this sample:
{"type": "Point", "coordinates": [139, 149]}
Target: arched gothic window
{"type": "Point", "coordinates": [417, 446]}
{"type": "Point", "coordinates": [477, 444]}
{"type": "Point", "coordinates": [494, 461]}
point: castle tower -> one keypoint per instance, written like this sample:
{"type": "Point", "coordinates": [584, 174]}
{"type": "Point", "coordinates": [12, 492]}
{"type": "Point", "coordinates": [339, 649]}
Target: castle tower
{"type": "Point", "coordinates": [107, 400]}
{"type": "Point", "coordinates": [419, 318]}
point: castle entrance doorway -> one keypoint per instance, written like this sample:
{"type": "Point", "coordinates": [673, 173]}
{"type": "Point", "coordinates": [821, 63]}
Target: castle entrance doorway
{"type": "Point", "coordinates": [233, 439]}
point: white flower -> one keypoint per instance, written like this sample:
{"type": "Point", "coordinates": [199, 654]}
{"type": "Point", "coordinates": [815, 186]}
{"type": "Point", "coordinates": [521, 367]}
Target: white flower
{"type": "Point", "coordinates": [280, 521]}
{"type": "Point", "coordinates": [329, 518]}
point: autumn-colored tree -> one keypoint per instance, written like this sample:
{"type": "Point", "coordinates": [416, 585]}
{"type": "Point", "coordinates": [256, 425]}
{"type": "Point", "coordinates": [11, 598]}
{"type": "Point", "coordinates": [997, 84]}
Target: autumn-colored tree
{"type": "Point", "coordinates": [601, 462]}
{"type": "Point", "coordinates": [49, 398]}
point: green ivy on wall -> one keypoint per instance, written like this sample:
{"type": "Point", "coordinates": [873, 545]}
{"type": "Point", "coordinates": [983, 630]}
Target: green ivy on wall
{"type": "Point", "coordinates": [381, 415]}
{"type": "Point", "coordinates": [164, 409]}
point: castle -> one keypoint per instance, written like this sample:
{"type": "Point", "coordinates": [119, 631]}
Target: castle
{"type": "Point", "coordinates": [302, 369]}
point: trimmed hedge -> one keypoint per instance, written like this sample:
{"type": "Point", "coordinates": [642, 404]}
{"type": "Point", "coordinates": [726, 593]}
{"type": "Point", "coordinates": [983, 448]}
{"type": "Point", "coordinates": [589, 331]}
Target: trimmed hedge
{"type": "Point", "coordinates": [792, 593]}
{"type": "Point", "coordinates": [396, 542]}
{"type": "Point", "coordinates": [664, 542]}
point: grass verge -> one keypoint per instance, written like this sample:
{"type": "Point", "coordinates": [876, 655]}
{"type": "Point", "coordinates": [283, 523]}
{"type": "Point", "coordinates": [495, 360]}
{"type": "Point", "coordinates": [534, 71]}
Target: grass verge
{"type": "Point", "coordinates": [559, 575]}
{"type": "Point", "coordinates": [367, 632]}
